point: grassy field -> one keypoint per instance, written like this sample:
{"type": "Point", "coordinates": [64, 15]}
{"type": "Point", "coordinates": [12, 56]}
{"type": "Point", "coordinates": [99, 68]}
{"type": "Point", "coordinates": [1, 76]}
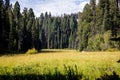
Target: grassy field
{"type": "Point", "coordinates": [60, 63]}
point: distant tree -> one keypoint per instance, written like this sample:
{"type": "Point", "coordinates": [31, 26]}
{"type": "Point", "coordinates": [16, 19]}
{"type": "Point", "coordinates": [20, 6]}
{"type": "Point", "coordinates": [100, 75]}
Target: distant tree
{"type": "Point", "coordinates": [41, 31]}
{"type": "Point", "coordinates": [11, 44]}
{"type": "Point", "coordinates": [73, 29]}
{"type": "Point", "coordinates": [17, 26]}
{"type": "Point", "coordinates": [65, 31]}
{"type": "Point", "coordinates": [49, 21]}
{"type": "Point", "coordinates": [36, 35]}
{"type": "Point", "coordinates": [25, 42]}
{"type": "Point", "coordinates": [30, 28]}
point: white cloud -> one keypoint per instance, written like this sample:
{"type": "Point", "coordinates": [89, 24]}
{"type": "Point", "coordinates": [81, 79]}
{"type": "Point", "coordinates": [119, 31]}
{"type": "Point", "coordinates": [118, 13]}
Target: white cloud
{"type": "Point", "coordinates": [56, 7]}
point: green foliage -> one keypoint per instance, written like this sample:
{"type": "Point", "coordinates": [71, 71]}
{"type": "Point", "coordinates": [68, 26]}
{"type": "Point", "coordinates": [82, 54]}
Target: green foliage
{"type": "Point", "coordinates": [32, 51]}
{"type": "Point", "coordinates": [107, 42]}
{"type": "Point", "coordinates": [103, 19]}
{"type": "Point", "coordinates": [112, 50]}
{"type": "Point", "coordinates": [95, 44]}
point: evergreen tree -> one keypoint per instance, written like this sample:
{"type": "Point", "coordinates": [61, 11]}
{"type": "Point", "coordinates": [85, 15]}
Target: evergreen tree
{"type": "Point", "coordinates": [30, 28]}
{"type": "Point", "coordinates": [7, 21]}
{"type": "Point", "coordinates": [41, 31]}
{"type": "Point", "coordinates": [93, 12]}
{"type": "Point", "coordinates": [37, 42]}
{"type": "Point", "coordinates": [11, 44]}
{"type": "Point", "coordinates": [85, 27]}
{"type": "Point", "coordinates": [65, 31]}
{"type": "Point", "coordinates": [73, 29]}
{"type": "Point", "coordinates": [17, 26]}
{"type": "Point", "coordinates": [49, 21]}
{"type": "Point", "coordinates": [106, 19]}
{"type": "Point", "coordinates": [2, 26]}
{"type": "Point", "coordinates": [26, 44]}
{"type": "Point", "coordinates": [114, 13]}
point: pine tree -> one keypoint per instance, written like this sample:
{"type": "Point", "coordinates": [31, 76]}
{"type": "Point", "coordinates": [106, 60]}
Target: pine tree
{"type": "Point", "coordinates": [45, 29]}
{"type": "Point", "coordinates": [17, 26]}
{"type": "Point", "coordinates": [103, 8]}
{"type": "Point", "coordinates": [85, 28]}
{"type": "Point", "coordinates": [48, 30]}
{"type": "Point", "coordinates": [73, 29]}
{"type": "Point", "coordinates": [37, 42]}
{"type": "Point", "coordinates": [25, 44]}
{"type": "Point", "coordinates": [30, 28]}
{"type": "Point", "coordinates": [93, 12]}
{"type": "Point", "coordinates": [65, 31]}
{"type": "Point", "coordinates": [41, 30]}
{"type": "Point", "coordinates": [2, 26]}
{"type": "Point", "coordinates": [114, 13]}
{"type": "Point", "coordinates": [11, 31]}
{"type": "Point", "coordinates": [106, 19]}
{"type": "Point", "coordinates": [7, 22]}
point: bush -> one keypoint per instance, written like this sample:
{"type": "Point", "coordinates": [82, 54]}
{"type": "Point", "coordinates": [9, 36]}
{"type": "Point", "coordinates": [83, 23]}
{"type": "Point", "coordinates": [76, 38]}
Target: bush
{"type": "Point", "coordinates": [32, 51]}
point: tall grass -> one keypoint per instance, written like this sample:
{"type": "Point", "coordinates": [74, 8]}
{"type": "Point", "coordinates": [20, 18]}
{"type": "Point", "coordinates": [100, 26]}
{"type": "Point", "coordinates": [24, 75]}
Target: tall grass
{"type": "Point", "coordinates": [59, 65]}
{"type": "Point", "coordinates": [34, 72]}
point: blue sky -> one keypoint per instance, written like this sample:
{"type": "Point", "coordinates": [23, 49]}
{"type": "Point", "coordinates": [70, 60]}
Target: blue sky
{"type": "Point", "coordinates": [56, 7]}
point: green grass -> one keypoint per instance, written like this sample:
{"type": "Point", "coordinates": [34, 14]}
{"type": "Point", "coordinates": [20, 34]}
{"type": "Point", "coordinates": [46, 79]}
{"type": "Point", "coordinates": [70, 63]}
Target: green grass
{"type": "Point", "coordinates": [60, 64]}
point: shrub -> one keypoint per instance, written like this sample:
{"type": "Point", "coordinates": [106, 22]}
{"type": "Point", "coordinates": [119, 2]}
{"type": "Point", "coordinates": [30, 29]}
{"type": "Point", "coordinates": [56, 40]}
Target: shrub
{"type": "Point", "coordinates": [32, 51]}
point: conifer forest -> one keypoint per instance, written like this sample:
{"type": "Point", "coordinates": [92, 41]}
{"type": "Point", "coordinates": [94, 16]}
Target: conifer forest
{"type": "Point", "coordinates": [96, 28]}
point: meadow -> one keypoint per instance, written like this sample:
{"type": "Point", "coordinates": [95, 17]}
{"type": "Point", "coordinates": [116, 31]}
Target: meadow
{"type": "Point", "coordinates": [60, 65]}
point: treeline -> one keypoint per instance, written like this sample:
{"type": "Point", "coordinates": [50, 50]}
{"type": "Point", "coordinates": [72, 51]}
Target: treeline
{"type": "Point", "coordinates": [99, 26]}
{"type": "Point", "coordinates": [96, 28]}
{"type": "Point", "coordinates": [58, 32]}
{"type": "Point", "coordinates": [22, 31]}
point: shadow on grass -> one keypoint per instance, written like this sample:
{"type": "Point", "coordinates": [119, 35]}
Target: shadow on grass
{"type": "Point", "coordinates": [50, 51]}
{"type": "Point", "coordinates": [38, 77]}
{"type": "Point", "coordinates": [70, 74]}
{"type": "Point", "coordinates": [118, 61]}
{"type": "Point", "coordinates": [57, 76]}
{"type": "Point", "coordinates": [114, 76]}
{"type": "Point", "coordinates": [8, 53]}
